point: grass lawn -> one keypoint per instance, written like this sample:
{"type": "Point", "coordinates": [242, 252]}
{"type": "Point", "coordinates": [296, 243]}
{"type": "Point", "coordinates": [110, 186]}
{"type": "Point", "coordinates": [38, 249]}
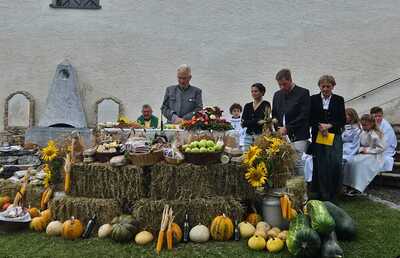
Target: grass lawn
{"type": "Point", "coordinates": [378, 237]}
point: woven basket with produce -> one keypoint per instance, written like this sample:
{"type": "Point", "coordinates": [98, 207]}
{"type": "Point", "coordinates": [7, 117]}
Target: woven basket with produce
{"type": "Point", "coordinates": [203, 152]}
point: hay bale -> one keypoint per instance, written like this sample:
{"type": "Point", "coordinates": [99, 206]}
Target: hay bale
{"type": "Point", "coordinates": [98, 180]}
{"type": "Point", "coordinates": [190, 181]}
{"type": "Point", "coordinates": [201, 210]}
{"type": "Point", "coordinates": [33, 193]}
{"type": "Point", "coordinates": [65, 207]}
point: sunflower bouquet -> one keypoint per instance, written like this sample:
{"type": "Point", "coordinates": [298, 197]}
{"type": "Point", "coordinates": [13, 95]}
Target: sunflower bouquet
{"type": "Point", "coordinates": [270, 161]}
{"type": "Point", "coordinates": [51, 156]}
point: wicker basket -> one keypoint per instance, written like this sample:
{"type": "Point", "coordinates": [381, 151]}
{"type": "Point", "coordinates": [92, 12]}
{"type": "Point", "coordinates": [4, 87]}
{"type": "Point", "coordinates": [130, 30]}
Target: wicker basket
{"type": "Point", "coordinates": [173, 161]}
{"type": "Point", "coordinates": [203, 158]}
{"type": "Point", "coordinates": [145, 159]}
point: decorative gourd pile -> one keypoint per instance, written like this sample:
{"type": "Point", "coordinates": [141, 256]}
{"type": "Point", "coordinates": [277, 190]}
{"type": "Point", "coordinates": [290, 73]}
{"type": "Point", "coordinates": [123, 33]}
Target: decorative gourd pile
{"type": "Point", "coordinates": [314, 235]}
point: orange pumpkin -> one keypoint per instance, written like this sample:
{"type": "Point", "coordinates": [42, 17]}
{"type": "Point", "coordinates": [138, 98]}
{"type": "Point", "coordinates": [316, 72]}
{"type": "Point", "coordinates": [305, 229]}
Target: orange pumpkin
{"type": "Point", "coordinates": [46, 214]}
{"type": "Point", "coordinates": [254, 218]}
{"type": "Point", "coordinates": [72, 229]}
{"type": "Point", "coordinates": [38, 224]}
{"type": "Point", "coordinates": [34, 212]}
{"type": "Point", "coordinates": [221, 228]}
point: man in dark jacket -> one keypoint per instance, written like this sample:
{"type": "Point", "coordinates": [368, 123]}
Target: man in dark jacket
{"type": "Point", "coordinates": [182, 101]}
{"type": "Point", "coordinates": [291, 108]}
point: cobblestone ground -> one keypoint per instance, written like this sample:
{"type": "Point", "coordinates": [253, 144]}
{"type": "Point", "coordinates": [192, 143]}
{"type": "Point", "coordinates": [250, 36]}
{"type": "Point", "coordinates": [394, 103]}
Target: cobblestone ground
{"type": "Point", "coordinates": [385, 193]}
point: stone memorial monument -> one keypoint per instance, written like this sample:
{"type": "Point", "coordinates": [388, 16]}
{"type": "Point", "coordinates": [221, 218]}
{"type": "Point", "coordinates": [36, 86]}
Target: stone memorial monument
{"type": "Point", "coordinates": [64, 111]}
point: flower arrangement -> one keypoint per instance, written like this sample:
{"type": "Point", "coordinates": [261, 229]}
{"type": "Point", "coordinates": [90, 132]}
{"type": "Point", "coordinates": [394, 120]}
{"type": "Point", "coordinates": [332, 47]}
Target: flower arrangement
{"type": "Point", "coordinates": [209, 118]}
{"type": "Point", "coordinates": [270, 160]}
{"type": "Point", "coordinates": [51, 155]}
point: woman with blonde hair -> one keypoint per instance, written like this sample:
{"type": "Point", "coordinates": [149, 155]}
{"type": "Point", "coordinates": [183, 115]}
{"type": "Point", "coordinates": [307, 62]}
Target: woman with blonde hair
{"type": "Point", "coordinates": [351, 134]}
{"type": "Point", "coordinates": [363, 168]}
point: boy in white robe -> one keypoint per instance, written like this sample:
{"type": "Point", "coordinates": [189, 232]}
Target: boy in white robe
{"type": "Point", "coordinates": [389, 137]}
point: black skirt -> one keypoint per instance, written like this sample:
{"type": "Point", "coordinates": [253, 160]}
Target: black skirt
{"type": "Point", "coordinates": [327, 170]}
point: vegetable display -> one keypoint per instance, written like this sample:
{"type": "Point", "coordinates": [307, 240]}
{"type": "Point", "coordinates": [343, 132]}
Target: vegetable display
{"type": "Point", "coordinates": [221, 228]}
{"type": "Point", "coordinates": [345, 227]}
{"type": "Point", "coordinates": [330, 247]}
{"type": "Point", "coordinates": [321, 220]}
{"type": "Point", "coordinates": [302, 240]}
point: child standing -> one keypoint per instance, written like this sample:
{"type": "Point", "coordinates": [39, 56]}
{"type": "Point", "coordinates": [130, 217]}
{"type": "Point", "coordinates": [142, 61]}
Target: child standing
{"type": "Point", "coordinates": [236, 120]}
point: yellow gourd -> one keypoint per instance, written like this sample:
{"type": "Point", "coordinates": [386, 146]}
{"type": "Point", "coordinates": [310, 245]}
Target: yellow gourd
{"type": "Point", "coordinates": [275, 245]}
{"type": "Point", "coordinates": [144, 238]}
{"type": "Point", "coordinates": [246, 229]}
{"type": "Point", "coordinates": [256, 242]}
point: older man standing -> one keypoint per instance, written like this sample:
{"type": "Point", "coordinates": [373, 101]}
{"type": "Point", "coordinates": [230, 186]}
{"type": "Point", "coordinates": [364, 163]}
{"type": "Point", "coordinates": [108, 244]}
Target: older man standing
{"type": "Point", "coordinates": [182, 101]}
{"type": "Point", "coordinates": [291, 107]}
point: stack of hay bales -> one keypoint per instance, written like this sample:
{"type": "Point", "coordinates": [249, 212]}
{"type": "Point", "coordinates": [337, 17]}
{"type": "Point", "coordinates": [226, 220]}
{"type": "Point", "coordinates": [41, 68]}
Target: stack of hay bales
{"type": "Point", "coordinates": [202, 191]}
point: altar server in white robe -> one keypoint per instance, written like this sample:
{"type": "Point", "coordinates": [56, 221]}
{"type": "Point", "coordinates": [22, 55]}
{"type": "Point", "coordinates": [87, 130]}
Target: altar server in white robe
{"type": "Point", "coordinates": [361, 170]}
{"type": "Point", "coordinates": [389, 136]}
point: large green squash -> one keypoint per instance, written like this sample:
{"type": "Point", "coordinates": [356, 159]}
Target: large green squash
{"type": "Point", "coordinates": [321, 220]}
{"type": "Point", "coordinates": [330, 247]}
{"type": "Point", "coordinates": [123, 232]}
{"type": "Point", "coordinates": [302, 240]}
{"type": "Point", "coordinates": [345, 227]}
{"type": "Point", "coordinates": [124, 228]}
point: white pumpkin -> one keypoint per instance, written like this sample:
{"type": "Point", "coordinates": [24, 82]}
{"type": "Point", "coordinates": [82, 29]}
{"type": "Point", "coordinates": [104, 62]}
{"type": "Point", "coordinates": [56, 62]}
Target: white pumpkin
{"type": "Point", "coordinates": [104, 231]}
{"type": "Point", "coordinates": [144, 238]}
{"type": "Point", "coordinates": [263, 226]}
{"type": "Point", "coordinates": [199, 234]}
{"type": "Point", "coordinates": [54, 228]}
{"type": "Point", "coordinates": [246, 229]}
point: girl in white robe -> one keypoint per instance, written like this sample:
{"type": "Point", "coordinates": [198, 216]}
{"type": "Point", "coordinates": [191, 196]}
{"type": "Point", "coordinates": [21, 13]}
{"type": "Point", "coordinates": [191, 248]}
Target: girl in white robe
{"type": "Point", "coordinates": [362, 169]}
{"type": "Point", "coordinates": [351, 135]}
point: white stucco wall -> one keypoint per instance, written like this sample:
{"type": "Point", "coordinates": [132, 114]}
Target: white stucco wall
{"type": "Point", "coordinates": [130, 49]}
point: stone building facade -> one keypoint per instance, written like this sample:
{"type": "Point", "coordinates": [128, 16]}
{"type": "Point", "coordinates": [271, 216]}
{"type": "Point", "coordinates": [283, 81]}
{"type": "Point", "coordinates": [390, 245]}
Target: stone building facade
{"type": "Point", "coordinates": [129, 50]}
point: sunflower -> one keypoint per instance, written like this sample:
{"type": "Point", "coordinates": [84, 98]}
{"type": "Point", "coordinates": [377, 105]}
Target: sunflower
{"type": "Point", "coordinates": [251, 155]}
{"type": "Point", "coordinates": [50, 152]}
{"type": "Point", "coordinates": [47, 178]}
{"type": "Point", "coordinates": [257, 176]}
{"type": "Point", "coordinates": [275, 146]}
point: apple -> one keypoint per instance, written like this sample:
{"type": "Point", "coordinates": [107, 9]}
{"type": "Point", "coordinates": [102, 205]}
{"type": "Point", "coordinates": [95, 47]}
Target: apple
{"type": "Point", "coordinates": [203, 143]}
{"type": "Point", "coordinates": [185, 146]}
{"type": "Point", "coordinates": [195, 150]}
{"type": "Point", "coordinates": [210, 143]}
{"type": "Point", "coordinates": [218, 147]}
{"type": "Point", "coordinates": [188, 150]}
{"type": "Point", "coordinates": [211, 149]}
{"type": "Point", "coordinates": [194, 144]}
{"type": "Point", "coordinates": [203, 149]}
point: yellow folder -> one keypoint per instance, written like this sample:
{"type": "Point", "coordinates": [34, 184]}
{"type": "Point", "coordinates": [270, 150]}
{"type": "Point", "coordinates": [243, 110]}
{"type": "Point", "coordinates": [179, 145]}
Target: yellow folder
{"type": "Point", "coordinates": [325, 140]}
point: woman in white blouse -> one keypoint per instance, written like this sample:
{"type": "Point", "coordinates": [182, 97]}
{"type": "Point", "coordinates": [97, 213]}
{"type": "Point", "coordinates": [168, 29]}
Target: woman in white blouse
{"type": "Point", "coordinates": [362, 169]}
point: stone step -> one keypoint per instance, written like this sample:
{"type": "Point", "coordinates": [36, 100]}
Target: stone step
{"type": "Point", "coordinates": [387, 179]}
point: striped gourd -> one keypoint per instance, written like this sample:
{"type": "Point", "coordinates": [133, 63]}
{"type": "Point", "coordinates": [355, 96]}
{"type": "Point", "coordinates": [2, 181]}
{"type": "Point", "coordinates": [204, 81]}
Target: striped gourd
{"type": "Point", "coordinates": [221, 228]}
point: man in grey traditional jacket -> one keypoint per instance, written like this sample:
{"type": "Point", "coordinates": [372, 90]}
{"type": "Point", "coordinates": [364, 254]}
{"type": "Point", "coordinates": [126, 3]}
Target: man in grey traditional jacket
{"type": "Point", "coordinates": [182, 101]}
